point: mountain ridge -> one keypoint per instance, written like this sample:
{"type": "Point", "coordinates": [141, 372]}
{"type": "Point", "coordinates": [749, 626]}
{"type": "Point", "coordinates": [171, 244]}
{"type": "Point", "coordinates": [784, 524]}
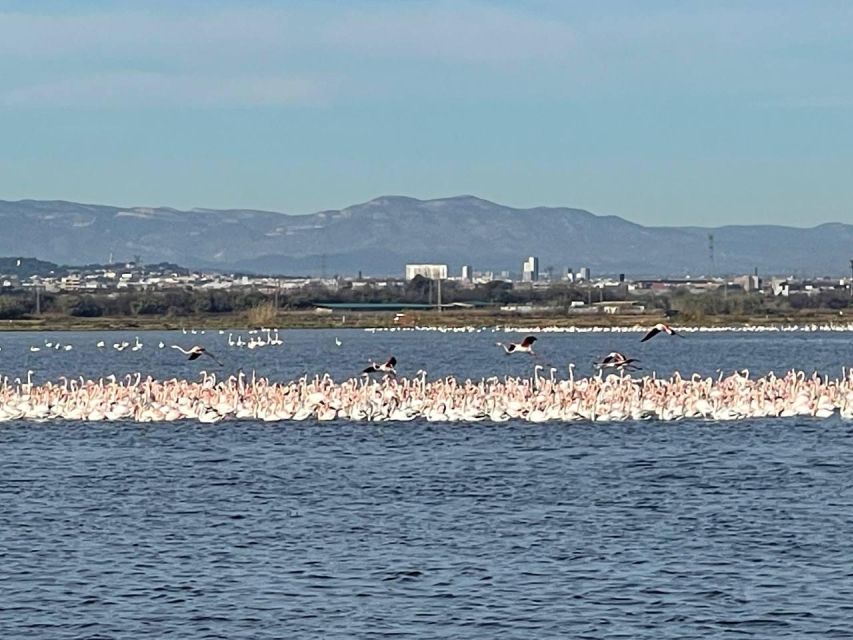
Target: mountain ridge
{"type": "Point", "coordinates": [380, 236]}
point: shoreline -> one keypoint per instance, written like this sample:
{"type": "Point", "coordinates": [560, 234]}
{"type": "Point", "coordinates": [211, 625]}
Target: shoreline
{"type": "Point", "coordinates": [832, 320]}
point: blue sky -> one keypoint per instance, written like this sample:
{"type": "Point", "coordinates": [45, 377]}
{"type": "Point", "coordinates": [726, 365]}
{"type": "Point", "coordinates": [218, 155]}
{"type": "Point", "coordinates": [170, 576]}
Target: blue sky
{"type": "Point", "coordinates": [663, 112]}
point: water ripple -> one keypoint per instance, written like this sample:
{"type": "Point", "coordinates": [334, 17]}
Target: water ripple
{"type": "Point", "coordinates": [425, 530]}
{"type": "Point", "coordinates": [428, 530]}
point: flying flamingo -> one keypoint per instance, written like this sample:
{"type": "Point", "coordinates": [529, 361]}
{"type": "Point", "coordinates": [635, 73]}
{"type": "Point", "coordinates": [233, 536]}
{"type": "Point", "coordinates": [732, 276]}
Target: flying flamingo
{"type": "Point", "coordinates": [386, 367]}
{"type": "Point", "coordinates": [660, 326]}
{"type": "Point", "coordinates": [525, 346]}
{"type": "Point", "coordinates": [616, 360]}
{"type": "Point", "coordinates": [196, 352]}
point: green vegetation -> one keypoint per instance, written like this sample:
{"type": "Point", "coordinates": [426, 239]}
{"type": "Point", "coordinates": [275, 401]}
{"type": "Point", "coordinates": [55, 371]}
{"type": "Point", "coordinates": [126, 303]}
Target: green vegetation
{"type": "Point", "coordinates": [550, 305]}
{"type": "Point", "coordinates": [695, 308]}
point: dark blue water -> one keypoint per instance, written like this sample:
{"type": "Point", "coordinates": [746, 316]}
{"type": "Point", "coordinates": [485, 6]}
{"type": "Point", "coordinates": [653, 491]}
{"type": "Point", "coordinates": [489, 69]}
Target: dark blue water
{"type": "Point", "coordinates": [419, 530]}
{"type": "Point", "coordinates": [440, 354]}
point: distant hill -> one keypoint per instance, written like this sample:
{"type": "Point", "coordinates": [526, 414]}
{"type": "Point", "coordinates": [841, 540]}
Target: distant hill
{"type": "Point", "coordinates": [380, 236]}
{"type": "Point", "coordinates": [23, 267]}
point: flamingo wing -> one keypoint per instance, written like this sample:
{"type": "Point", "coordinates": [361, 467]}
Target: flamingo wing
{"type": "Point", "coordinates": [215, 359]}
{"type": "Point", "coordinates": [651, 334]}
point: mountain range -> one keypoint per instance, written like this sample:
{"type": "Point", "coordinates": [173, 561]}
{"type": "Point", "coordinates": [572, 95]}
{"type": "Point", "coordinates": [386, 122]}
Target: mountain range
{"type": "Point", "coordinates": [380, 236]}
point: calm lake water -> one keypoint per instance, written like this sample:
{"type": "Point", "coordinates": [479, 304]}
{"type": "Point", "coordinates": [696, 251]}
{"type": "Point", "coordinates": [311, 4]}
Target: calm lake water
{"type": "Point", "coordinates": [421, 530]}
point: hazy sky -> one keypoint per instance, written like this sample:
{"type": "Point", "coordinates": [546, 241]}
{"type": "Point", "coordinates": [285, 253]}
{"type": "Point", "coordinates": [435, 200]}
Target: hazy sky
{"type": "Point", "coordinates": [663, 112]}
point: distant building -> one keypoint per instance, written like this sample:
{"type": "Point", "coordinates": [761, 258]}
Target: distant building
{"type": "Point", "coordinates": [530, 269]}
{"type": "Point", "coordinates": [431, 271]}
{"type": "Point", "coordinates": [70, 282]}
{"type": "Point", "coordinates": [749, 283]}
{"type": "Point", "coordinates": [694, 285]}
{"type": "Point", "coordinates": [619, 307]}
{"type": "Point", "coordinates": [467, 272]}
{"type": "Point", "coordinates": [484, 276]}
{"type": "Point", "coordinates": [584, 274]}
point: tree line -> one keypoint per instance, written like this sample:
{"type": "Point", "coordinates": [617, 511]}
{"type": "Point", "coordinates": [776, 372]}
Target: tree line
{"type": "Point", "coordinates": [558, 296]}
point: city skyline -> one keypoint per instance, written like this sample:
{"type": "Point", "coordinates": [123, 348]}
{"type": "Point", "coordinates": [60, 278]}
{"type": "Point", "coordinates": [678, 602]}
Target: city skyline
{"type": "Point", "coordinates": [663, 114]}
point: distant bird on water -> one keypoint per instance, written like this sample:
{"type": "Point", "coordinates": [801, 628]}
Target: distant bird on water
{"type": "Point", "coordinates": [525, 346]}
{"type": "Point", "coordinates": [385, 367]}
{"type": "Point", "coordinates": [196, 352]}
{"type": "Point", "coordinates": [660, 326]}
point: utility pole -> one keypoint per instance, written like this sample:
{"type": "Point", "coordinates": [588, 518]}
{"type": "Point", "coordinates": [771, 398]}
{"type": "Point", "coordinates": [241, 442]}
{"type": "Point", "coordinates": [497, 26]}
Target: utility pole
{"type": "Point", "coordinates": [851, 278]}
{"type": "Point", "coordinates": [38, 300]}
{"type": "Point", "coordinates": [439, 294]}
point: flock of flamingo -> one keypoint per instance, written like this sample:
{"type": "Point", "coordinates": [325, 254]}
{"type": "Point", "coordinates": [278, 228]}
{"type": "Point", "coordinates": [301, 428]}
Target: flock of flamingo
{"type": "Point", "coordinates": [636, 328]}
{"type": "Point", "coordinates": [378, 394]}
{"type": "Point", "coordinates": [256, 339]}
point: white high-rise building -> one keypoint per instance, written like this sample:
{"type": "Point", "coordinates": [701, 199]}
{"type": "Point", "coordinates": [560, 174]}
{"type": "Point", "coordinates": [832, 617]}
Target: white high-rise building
{"type": "Point", "coordinates": [431, 271]}
{"type": "Point", "coordinates": [467, 272]}
{"type": "Point", "coordinates": [530, 269]}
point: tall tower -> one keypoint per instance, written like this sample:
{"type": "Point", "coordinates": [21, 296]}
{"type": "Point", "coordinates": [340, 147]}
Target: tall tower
{"type": "Point", "coordinates": [711, 264]}
{"type": "Point", "coordinates": [851, 278]}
